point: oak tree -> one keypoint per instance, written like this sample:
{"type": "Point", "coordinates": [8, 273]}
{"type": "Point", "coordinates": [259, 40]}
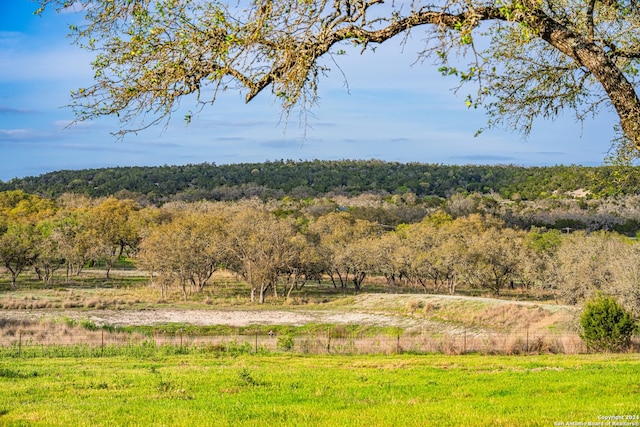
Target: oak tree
{"type": "Point", "coordinates": [188, 250]}
{"type": "Point", "coordinates": [345, 242]}
{"type": "Point", "coordinates": [115, 227]}
{"type": "Point", "coordinates": [528, 58]}
{"type": "Point", "coordinates": [264, 248]}
{"type": "Point", "coordinates": [18, 249]}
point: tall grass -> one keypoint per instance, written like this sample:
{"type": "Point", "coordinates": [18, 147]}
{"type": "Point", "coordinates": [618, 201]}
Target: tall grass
{"type": "Point", "coordinates": [79, 338]}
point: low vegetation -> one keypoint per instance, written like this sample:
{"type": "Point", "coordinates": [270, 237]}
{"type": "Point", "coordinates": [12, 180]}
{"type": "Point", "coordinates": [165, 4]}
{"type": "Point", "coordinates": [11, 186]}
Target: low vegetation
{"type": "Point", "coordinates": [296, 390]}
{"type": "Point", "coordinates": [606, 326]}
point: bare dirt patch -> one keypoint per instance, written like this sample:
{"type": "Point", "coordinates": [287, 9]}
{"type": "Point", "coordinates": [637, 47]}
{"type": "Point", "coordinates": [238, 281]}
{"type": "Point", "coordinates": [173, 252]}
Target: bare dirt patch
{"type": "Point", "coordinates": [234, 318]}
{"type": "Point", "coordinates": [433, 312]}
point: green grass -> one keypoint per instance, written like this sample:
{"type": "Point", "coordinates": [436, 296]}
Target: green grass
{"type": "Point", "coordinates": [271, 390]}
{"type": "Point", "coordinates": [319, 329]}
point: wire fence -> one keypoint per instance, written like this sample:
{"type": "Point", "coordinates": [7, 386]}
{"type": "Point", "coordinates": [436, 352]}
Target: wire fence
{"type": "Point", "coordinates": [103, 342]}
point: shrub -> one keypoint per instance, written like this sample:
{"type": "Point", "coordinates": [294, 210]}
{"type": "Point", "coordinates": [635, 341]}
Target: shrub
{"type": "Point", "coordinates": [606, 326]}
{"type": "Point", "coordinates": [285, 343]}
{"type": "Point", "coordinates": [89, 325]}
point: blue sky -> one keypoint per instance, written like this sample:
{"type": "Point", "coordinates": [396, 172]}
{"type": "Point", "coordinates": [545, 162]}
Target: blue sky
{"type": "Point", "coordinates": [392, 110]}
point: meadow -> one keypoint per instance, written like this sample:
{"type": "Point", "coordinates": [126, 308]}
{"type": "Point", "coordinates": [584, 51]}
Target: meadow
{"type": "Point", "coordinates": [295, 390]}
{"type": "Point", "coordinates": [142, 384]}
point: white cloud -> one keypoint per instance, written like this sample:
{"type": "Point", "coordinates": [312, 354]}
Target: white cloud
{"type": "Point", "coordinates": [14, 132]}
{"type": "Point", "coordinates": [29, 63]}
{"type": "Point", "coordinates": [22, 135]}
{"type": "Point", "coordinates": [10, 38]}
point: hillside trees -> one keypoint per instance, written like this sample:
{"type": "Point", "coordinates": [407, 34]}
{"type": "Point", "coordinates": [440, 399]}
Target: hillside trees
{"type": "Point", "coordinates": [18, 245]}
{"type": "Point", "coordinates": [187, 250]}
{"type": "Point", "coordinates": [20, 237]}
{"type": "Point", "coordinates": [586, 265]}
{"type": "Point", "coordinates": [264, 249]}
{"type": "Point", "coordinates": [49, 258]}
{"type": "Point", "coordinates": [540, 57]}
{"type": "Point", "coordinates": [429, 182]}
{"type": "Point", "coordinates": [114, 226]}
{"type": "Point", "coordinates": [279, 246]}
{"type": "Point", "coordinates": [345, 241]}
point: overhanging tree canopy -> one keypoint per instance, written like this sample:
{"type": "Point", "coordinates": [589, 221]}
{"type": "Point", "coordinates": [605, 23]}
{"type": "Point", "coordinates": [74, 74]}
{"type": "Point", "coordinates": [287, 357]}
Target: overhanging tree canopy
{"type": "Point", "coordinates": [541, 56]}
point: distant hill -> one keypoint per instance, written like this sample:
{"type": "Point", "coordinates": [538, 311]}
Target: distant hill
{"type": "Point", "coordinates": [317, 178]}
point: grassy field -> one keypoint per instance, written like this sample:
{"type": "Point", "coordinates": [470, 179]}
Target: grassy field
{"type": "Point", "coordinates": [269, 390]}
{"type": "Point", "coordinates": [141, 384]}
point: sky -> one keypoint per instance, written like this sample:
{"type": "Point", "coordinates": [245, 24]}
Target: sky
{"type": "Point", "coordinates": [390, 109]}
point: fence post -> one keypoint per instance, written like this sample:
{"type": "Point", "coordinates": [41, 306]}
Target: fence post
{"type": "Point", "coordinates": [256, 342]}
{"type": "Point", "coordinates": [527, 339]}
{"type": "Point", "coordinates": [464, 342]}
{"type": "Point", "coordinates": [20, 344]}
{"type": "Point", "coordinates": [102, 344]}
{"type": "Point", "coordinates": [398, 343]}
{"type": "Point", "coordinates": [328, 340]}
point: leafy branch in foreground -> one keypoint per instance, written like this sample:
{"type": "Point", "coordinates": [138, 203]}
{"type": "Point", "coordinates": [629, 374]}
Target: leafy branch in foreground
{"type": "Point", "coordinates": [541, 57]}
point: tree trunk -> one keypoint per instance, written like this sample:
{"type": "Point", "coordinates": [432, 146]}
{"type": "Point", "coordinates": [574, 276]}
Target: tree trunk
{"type": "Point", "coordinates": [333, 280]}
{"type": "Point", "coordinates": [293, 284]}
{"type": "Point", "coordinates": [39, 274]}
{"type": "Point", "coordinates": [589, 55]}
{"type": "Point", "coordinates": [423, 283]}
{"type": "Point", "coordinates": [263, 292]}
{"type": "Point", "coordinates": [453, 283]}
{"type": "Point", "coordinates": [184, 288]}
{"type": "Point", "coordinates": [358, 278]}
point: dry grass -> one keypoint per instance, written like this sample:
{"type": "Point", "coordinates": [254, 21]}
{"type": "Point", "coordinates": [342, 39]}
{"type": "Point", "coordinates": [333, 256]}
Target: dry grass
{"type": "Point", "coordinates": [472, 313]}
{"type": "Point", "coordinates": [25, 303]}
{"type": "Point", "coordinates": [420, 314]}
{"type": "Point", "coordinates": [59, 331]}
{"type": "Point", "coordinates": [511, 316]}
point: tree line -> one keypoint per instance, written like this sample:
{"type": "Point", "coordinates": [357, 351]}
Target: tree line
{"type": "Point", "coordinates": [318, 178]}
{"type": "Point", "coordinates": [277, 247]}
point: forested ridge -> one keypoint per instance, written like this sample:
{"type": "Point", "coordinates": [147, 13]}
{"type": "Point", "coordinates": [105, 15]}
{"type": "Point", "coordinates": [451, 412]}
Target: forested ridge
{"type": "Point", "coordinates": [302, 179]}
{"type": "Point", "coordinates": [277, 225]}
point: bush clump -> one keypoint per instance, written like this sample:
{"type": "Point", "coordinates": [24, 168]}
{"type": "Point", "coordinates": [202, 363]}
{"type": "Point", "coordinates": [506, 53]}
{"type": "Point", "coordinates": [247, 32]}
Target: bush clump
{"type": "Point", "coordinates": [285, 343]}
{"type": "Point", "coordinates": [606, 325]}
